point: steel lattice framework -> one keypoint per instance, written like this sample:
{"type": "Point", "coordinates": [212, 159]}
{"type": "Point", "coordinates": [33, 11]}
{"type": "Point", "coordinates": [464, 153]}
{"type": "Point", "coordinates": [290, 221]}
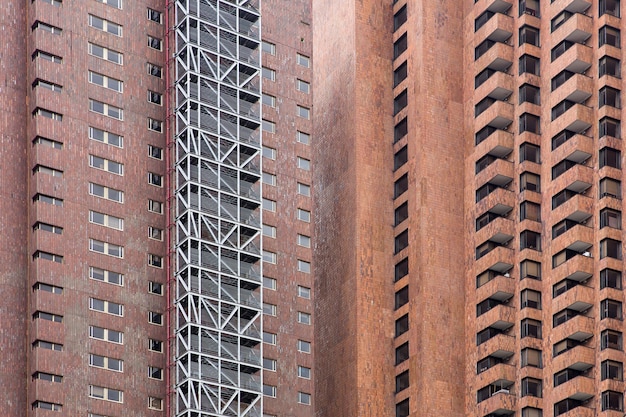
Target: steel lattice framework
{"type": "Point", "coordinates": [218, 323]}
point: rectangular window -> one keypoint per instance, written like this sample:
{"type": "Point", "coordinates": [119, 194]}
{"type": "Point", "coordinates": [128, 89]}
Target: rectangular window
{"type": "Point", "coordinates": [531, 328]}
{"type": "Point", "coordinates": [610, 188]}
{"type": "Point", "coordinates": [40, 286]}
{"type": "Point", "coordinates": [113, 3]}
{"type": "Point", "coordinates": [304, 398]}
{"type": "Point", "coordinates": [531, 357]}
{"type": "Point", "coordinates": [269, 364]}
{"type": "Point", "coordinates": [269, 153]}
{"type": "Point", "coordinates": [531, 387]}
{"type": "Point", "coordinates": [48, 316]}
{"type": "Point", "coordinates": [609, 127]}
{"type": "Point", "coordinates": [155, 179]}
{"type": "Point", "coordinates": [304, 241]}
{"type": "Point", "coordinates": [155, 373]}
{"type": "Point", "coordinates": [530, 181]}
{"type": "Point", "coordinates": [529, 64]}
{"type": "Point", "coordinates": [105, 25]}
{"type": "Point", "coordinates": [106, 137]}
{"type": "Point", "coordinates": [268, 205]}
{"type": "Point", "coordinates": [530, 240]}
{"type": "Point", "coordinates": [155, 16]}
{"type": "Point", "coordinates": [402, 353]}
{"type": "Point", "coordinates": [107, 276]}
{"type": "Point", "coordinates": [44, 405]}
{"type": "Point", "coordinates": [155, 403]}
{"type": "Point", "coordinates": [529, 123]}
{"type": "Point", "coordinates": [48, 85]}
{"type": "Point", "coordinates": [611, 7]}
{"type": "Point", "coordinates": [269, 257]}
{"type": "Point", "coordinates": [611, 339]}
{"type": "Point", "coordinates": [47, 56]}
{"type": "Point", "coordinates": [47, 377]}
{"type": "Point", "coordinates": [155, 233]}
{"type": "Point", "coordinates": [400, 130]}
{"type": "Point", "coordinates": [400, 46]}
{"type": "Point", "coordinates": [106, 54]}
{"type": "Point", "coordinates": [304, 346]}
{"type": "Point", "coordinates": [304, 266]}
{"type": "Point", "coordinates": [155, 288]}
{"type": "Point", "coordinates": [48, 256]}
{"type": "Point", "coordinates": [155, 260]}
{"type": "Point", "coordinates": [610, 157]}
{"type": "Point", "coordinates": [528, 34]}
{"type": "Point", "coordinates": [531, 299]}
{"type": "Point", "coordinates": [268, 47]}
{"type": "Point", "coordinates": [609, 66]}
{"type": "Point", "coordinates": [154, 43]}
{"type": "Point", "coordinates": [106, 165]}
{"type": "Point", "coordinates": [304, 292]}
{"type": "Point", "coordinates": [269, 231]}
{"type": "Point", "coordinates": [105, 306]}
{"type": "Point", "coordinates": [154, 70]}
{"type": "Point", "coordinates": [48, 199]}
{"type": "Point", "coordinates": [268, 100]}
{"type": "Point", "coordinates": [39, 112]}
{"type": "Point", "coordinates": [155, 98]}
{"type": "Point", "coordinates": [304, 189]}
{"type": "Point", "coordinates": [107, 335]}
{"type": "Point", "coordinates": [304, 372]}
{"type": "Point", "coordinates": [42, 344]}
{"type": "Point", "coordinates": [530, 211]}
{"type": "Point", "coordinates": [401, 269]}
{"type": "Point", "coordinates": [303, 60]}
{"type": "Point", "coordinates": [106, 109]}
{"type": "Point", "coordinates": [269, 309]}
{"type": "Point", "coordinates": [155, 125]}
{"type": "Point", "coordinates": [155, 318]}
{"type": "Point", "coordinates": [106, 248]}
{"type": "Point", "coordinates": [39, 140]}
{"type": "Point", "coordinates": [304, 318]}
{"type": "Point", "coordinates": [269, 283]}
{"type": "Point", "coordinates": [269, 338]}
{"type": "Point", "coordinates": [303, 215]}
{"type": "Point", "coordinates": [48, 171]}
{"type": "Point", "coordinates": [106, 363]}
{"type": "Point", "coordinates": [612, 400]}
{"type": "Point", "coordinates": [609, 97]}
{"type": "Point", "coordinates": [108, 394]}
{"type": "Point", "coordinates": [303, 86]}
{"type": "Point", "coordinates": [612, 370]}
{"type": "Point", "coordinates": [399, 18]}
{"type": "Point", "coordinates": [155, 206]}
{"type": "Point", "coordinates": [303, 112]}
{"type": "Point", "coordinates": [155, 345]}
{"type": "Point", "coordinates": [401, 186]}
{"type": "Point", "coordinates": [47, 27]}
{"type": "Point", "coordinates": [610, 309]}
{"type": "Point", "coordinates": [304, 164]}
{"type": "Point", "coordinates": [402, 408]}
{"type": "Point", "coordinates": [401, 297]}
{"type": "Point", "coordinates": [610, 278]}
{"type": "Point", "coordinates": [268, 74]}
{"type": "Point", "coordinates": [106, 220]}
{"type": "Point", "coordinates": [269, 391]}
{"type": "Point", "coordinates": [609, 36]}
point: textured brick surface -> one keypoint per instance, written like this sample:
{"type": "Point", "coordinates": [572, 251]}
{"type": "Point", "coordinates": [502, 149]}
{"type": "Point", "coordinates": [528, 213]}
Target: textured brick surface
{"type": "Point", "coordinates": [288, 26]}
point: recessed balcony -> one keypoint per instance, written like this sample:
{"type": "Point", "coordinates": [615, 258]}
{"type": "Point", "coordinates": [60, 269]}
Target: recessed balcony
{"type": "Point", "coordinates": [577, 88]}
{"type": "Point", "coordinates": [577, 149]}
{"type": "Point", "coordinates": [499, 346]}
{"type": "Point", "coordinates": [499, 144]}
{"type": "Point", "coordinates": [498, 115]}
{"type": "Point", "coordinates": [582, 411]}
{"type": "Point", "coordinates": [580, 388]}
{"type": "Point", "coordinates": [500, 288]}
{"type": "Point", "coordinates": [500, 317]}
{"type": "Point", "coordinates": [579, 358]}
{"type": "Point", "coordinates": [498, 29]}
{"type": "Point", "coordinates": [500, 259]}
{"type": "Point", "coordinates": [578, 238]}
{"type": "Point", "coordinates": [499, 86]}
{"type": "Point", "coordinates": [577, 28]}
{"type": "Point", "coordinates": [500, 201]}
{"type": "Point", "coordinates": [577, 59]}
{"type": "Point", "coordinates": [499, 230]}
{"type": "Point", "coordinates": [578, 268]}
{"type": "Point", "coordinates": [499, 57]}
{"type": "Point", "coordinates": [499, 172]}
{"type": "Point", "coordinates": [577, 328]}
{"type": "Point", "coordinates": [580, 298]}
{"type": "Point", "coordinates": [501, 403]}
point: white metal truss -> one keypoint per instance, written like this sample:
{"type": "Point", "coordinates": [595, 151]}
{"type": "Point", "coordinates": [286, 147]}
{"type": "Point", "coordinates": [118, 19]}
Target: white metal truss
{"type": "Point", "coordinates": [218, 197]}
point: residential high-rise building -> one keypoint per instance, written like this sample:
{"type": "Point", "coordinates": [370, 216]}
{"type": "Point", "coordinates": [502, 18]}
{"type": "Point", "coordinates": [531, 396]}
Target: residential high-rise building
{"type": "Point", "coordinates": [430, 224]}
{"type": "Point", "coordinates": [467, 184]}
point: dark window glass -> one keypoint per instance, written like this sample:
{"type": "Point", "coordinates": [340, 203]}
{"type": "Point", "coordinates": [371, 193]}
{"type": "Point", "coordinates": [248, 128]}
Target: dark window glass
{"type": "Point", "coordinates": [609, 97]}
{"type": "Point", "coordinates": [561, 108]}
{"type": "Point", "coordinates": [560, 49]}
{"type": "Point", "coordinates": [402, 381]}
{"type": "Point", "coordinates": [402, 408]}
{"type": "Point", "coordinates": [402, 241]}
{"type": "Point", "coordinates": [400, 102]}
{"type": "Point", "coordinates": [609, 7]}
{"type": "Point", "coordinates": [610, 309]}
{"type": "Point", "coordinates": [609, 127]}
{"type": "Point", "coordinates": [400, 130]}
{"type": "Point", "coordinates": [402, 325]}
{"type": "Point", "coordinates": [529, 34]}
{"type": "Point", "coordinates": [610, 157]}
{"type": "Point", "coordinates": [482, 19]}
{"type": "Point", "coordinates": [610, 339]}
{"type": "Point", "coordinates": [560, 79]}
{"type": "Point", "coordinates": [610, 278]}
{"type": "Point", "coordinates": [401, 185]}
{"type": "Point", "coordinates": [530, 211]}
{"type": "Point", "coordinates": [529, 93]}
{"type": "Point", "coordinates": [401, 269]}
{"type": "Point", "coordinates": [609, 66]}
{"type": "Point", "coordinates": [400, 158]}
{"type": "Point", "coordinates": [530, 240]}
{"type": "Point", "coordinates": [530, 64]}
{"type": "Point", "coordinates": [401, 213]}
{"type": "Point", "coordinates": [530, 181]}
{"type": "Point", "coordinates": [609, 36]}
{"type": "Point", "coordinates": [531, 328]}
{"type": "Point", "coordinates": [402, 297]}
{"type": "Point", "coordinates": [560, 19]}
{"type": "Point", "coordinates": [529, 123]}
{"type": "Point", "coordinates": [529, 152]}
{"type": "Point", "coordinates": [612, 400]}
{"type": "Point", "coordinates": [610, 188]}
{"type": "Point", "coordinates": [612, 370]}
{"type": "Point", "coordinates": [402, 353]}
{"type": "Point", "coordinates": [400, 74]}
{"type": "Point", "coordinates": [561, 138]}
{"type": "Point", "coordinates": [399, 18]}
{"type": "Point", "coordinates": [399, 46]}
{"type": "Point", "coordinates": [530, 7]}
{"type": "Point", "coordinates": [481, 49]}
